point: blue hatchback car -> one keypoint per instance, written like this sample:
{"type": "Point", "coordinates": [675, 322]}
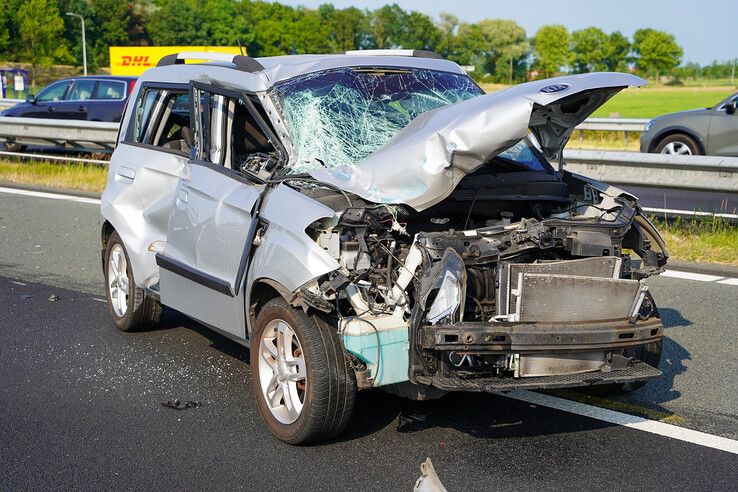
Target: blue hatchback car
{"type": "Point", "coordinates": [93, 98]}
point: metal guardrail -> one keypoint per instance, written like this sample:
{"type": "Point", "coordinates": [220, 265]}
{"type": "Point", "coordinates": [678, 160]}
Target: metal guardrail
{"type": "Point", "coordinates": [700, 173]}
{"type": "Point", "coordinates": [70, 134]}
{"type": "Point", "coordinates": [8, 103]}
{"type": "Point", "coordinates": [615, 124]}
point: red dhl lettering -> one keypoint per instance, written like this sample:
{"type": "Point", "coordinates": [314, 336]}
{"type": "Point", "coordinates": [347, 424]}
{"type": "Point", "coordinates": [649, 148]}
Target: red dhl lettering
{"type": "Point", "coordinates": [135, 61]}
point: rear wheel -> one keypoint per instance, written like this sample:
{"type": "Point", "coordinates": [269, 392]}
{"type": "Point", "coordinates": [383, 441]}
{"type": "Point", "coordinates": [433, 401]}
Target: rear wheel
{"type": "Point", "coordinates": [12, 146]}
{"type": "Point", "coordinates": [678, 144]}
{"type": "Point", "coordinates": [128, 305]}
{"type": "Point", "coordinates": [303, 385]}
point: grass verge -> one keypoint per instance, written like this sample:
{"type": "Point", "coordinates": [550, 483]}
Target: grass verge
{"type": "Point", "coordinates": [70, 176]}
{"type": "Point", "coordinates": [652, 101]}
{"type": "Point", "coordinates": [712, 240]}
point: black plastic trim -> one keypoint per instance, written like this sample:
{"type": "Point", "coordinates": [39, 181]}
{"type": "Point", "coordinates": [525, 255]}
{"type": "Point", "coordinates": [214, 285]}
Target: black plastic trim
{"type": "Point", "coordinates": [202, 278]}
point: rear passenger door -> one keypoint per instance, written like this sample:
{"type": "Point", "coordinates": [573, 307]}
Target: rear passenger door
{"type": "Point", "coordinates": [107, 101]}
{"type": "Point", "coordinates": [211, 220]}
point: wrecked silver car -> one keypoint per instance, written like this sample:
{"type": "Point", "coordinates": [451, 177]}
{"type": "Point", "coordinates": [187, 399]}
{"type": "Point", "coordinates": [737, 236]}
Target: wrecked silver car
{"type": "Point", "coordinates": [376, 220]}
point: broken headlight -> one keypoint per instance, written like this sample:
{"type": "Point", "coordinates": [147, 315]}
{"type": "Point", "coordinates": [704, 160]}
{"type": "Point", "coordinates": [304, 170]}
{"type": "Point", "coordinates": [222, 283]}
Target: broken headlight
{"type": "Point", "coordinates": [448, 299]}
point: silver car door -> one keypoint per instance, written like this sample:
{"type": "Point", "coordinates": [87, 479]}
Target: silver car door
{"type": "Point", "coordinates": [723, 135]}
{"type": "Point", "coordinates": [143, 176]}
{"type": "Point", "coordinates": [210, 229]}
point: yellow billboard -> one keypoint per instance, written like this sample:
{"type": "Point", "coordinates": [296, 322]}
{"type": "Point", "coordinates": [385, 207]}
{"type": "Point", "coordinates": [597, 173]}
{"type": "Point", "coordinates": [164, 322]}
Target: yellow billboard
{"type": "Point", "coordinates": [134, 60]}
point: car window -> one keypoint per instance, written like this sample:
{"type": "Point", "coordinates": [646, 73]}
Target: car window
{"type": "Point", "coordinates": [229, 133]}
{"type": "Point", "coordinates": [110, 89]}
{"type": "Point", "coordinates": [162, 119]}
{"type": "Point", "coordinates": [54, 92]}
{"type": "Point", "coordinates": [81, 90]}
{"type": "Point", "coordinates": [521, 157]}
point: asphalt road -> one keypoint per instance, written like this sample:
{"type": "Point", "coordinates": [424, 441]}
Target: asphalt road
{"type": "Point", "coordinates": [80, 402]}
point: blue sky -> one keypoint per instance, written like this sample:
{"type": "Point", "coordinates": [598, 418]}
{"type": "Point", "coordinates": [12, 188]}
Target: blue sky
{"type": "Point", "coordinates": [706, 29]}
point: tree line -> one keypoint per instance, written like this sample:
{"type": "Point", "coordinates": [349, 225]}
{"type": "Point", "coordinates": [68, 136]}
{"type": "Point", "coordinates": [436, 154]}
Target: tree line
{"type": "Point", "coordinates": [38, 32]}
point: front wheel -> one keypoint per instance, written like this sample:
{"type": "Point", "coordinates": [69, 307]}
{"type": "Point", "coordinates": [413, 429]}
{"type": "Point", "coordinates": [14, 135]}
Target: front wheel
{"type": "Point", "coordinates": [678, 144]}
{"type": "Point", "coordinates": [129, 306]}
{"type": "Point", "coordinates": [304, 387]}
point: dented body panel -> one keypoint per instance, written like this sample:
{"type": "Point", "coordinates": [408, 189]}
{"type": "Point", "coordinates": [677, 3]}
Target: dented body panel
{"type": "Point", "coordinates": [449, 256]}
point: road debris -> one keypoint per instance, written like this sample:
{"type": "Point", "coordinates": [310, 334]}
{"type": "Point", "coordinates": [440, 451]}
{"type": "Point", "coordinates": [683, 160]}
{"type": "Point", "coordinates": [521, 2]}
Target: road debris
{"type": "Point", "coordinates": [428, 480]}
{"type": "Point", "coordinates": [53, 297]}
{"type": "Point", "coordinates": [181, 405]}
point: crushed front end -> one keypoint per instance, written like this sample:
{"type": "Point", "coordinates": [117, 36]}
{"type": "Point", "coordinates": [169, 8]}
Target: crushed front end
{"type": "Point", "coordinates": [423, 300]}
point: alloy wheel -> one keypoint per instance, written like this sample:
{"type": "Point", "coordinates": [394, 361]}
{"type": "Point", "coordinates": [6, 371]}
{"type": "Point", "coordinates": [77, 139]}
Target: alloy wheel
{"type": "Point", "coordinates": [282, 371]}
{"type": "Point", "coordinates": [118, 280]}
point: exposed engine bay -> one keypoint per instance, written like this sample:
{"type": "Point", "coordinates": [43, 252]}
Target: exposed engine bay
{"type": "Point", "coordinates": [480, 291]}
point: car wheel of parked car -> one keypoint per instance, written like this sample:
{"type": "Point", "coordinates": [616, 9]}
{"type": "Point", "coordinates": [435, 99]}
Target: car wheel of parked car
{"type": "Point", "coordinates": [303, 384]}
{"type": "Point", "coordinates": [678, 144]}
{"type": "Point", "coordinates": [12, 146]}
{"type": "Point", "coordinates": [129, 306]}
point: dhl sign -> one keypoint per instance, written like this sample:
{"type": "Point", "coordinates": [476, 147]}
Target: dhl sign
{"type": "Point", "coordinates": [134, 60]}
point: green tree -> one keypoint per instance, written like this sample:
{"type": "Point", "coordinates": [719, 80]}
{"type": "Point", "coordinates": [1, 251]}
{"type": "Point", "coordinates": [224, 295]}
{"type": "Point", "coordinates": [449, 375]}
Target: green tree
{"type": "Point", "coordinates": [449, 26]}
{"type": "Point", "coordinates": [590, 47]}
{"type": "Point", "coordinates": [387, 25]}
{"type": "Point", "coordinates": [494, 46]}
{"type": "Point", "coordinates": [551, 49]}
{"type": "Point", "coordinates": [349, 28]}
{"type": "Point", "coordinates": [657, 52]}
{"type": "Point", "coordinates": [177, 22]}
{"type": "Point", "coordinates": [41, 29]}
{"type": "Point", "coordinates": [5, 26]}
{"type": "Point", "coordinates": [618, 48]}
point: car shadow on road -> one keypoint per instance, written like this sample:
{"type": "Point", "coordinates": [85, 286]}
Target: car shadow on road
{"type": "Point", "coordinates": [480, 415]}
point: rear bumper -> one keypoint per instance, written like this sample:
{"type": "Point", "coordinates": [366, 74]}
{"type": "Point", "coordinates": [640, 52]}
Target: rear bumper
{"type": "Point", "coordinates": [606, 339]}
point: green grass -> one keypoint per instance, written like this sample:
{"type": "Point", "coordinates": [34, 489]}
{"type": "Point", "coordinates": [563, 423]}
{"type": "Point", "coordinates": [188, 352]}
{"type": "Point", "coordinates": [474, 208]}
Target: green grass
{"type": "Point", "coordinates": [655, 100]}
{"type": "Point", "coordinates": [71, 176]}
{"type": "Point", "coordinates": [711, 240]}
{"type": "Point", "coordinates": [648, 103]}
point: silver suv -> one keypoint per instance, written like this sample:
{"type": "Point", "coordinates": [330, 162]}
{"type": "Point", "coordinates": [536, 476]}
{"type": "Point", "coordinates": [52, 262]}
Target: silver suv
{"type": "Point", "coordinates": [373, 219]}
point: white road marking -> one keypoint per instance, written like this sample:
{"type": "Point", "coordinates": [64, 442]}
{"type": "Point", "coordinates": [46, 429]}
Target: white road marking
{"type": "Point", "coordinates": [729, 281]}
{"type": "Point", "coordinates": [98, 299]}
{"type": "Point", "coordinates": [689, 212]}
{"type": "Point", "coordinates": [626, 420]}
{"type": "Point", "coordinates": [54, 196]}
{"type": "Point", "coordinates": [691, 276]}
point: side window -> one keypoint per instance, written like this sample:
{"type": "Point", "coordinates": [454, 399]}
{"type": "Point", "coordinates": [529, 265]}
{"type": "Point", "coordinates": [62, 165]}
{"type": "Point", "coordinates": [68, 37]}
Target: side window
{"type": "Point", "coordinates": [230, 132]}
{"type": "Point", "coordinates": [81, 90]}
{"type": "Point", "coordinates": [162, 119]}
{"type": "Point", "coordinates": [109, 89]}
{"type": "Point", "coordinates": [54, 92]}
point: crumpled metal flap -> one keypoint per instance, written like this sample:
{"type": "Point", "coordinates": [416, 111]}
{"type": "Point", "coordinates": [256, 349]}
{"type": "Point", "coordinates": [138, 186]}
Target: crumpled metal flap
{"type": "Point", "coordinates": [425, 161]}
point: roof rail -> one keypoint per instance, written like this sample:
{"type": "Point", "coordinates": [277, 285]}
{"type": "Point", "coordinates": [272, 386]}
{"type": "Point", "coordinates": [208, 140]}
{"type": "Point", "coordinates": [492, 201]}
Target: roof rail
{"type": "Point", "coordinates": [396, 52]}
{"type": "Point", "coordinates": [241, 62]}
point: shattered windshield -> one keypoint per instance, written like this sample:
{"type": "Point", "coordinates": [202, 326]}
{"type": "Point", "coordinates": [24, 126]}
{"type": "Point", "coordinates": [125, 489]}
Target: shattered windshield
{"type": "Point", "coordinates": [339, 117]}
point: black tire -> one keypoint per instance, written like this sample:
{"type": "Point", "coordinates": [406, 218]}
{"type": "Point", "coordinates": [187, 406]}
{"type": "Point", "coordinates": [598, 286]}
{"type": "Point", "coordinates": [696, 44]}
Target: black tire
{"type": "Point", "coordinates": [12, 147]}
{"type": "Point", "coordinates": [678, 139]}
{"type": "Point", "coordinates": [142, 311]}
{"type": "Point", "coordinates": [329, 390]}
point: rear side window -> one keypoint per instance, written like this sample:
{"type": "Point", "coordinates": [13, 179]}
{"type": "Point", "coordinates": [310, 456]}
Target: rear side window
{"type": "Point", "coordinates": [81, 90]}
{"type": "Point", "coordinates": [109, 89]}
{"type": "Point", "coordinates": [162, 119]}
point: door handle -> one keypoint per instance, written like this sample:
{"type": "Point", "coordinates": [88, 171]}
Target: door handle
{"type": "Point", "coordinates": [50, 109]}
{"type": "Point", "coordinates": [82, 108]}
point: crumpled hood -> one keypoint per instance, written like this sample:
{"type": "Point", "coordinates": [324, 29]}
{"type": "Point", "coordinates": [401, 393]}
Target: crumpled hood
{"type": "Point", "coordinates": [425, 161]}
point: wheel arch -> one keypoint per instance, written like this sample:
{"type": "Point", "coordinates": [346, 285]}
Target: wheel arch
{"type": "Point", "coordinates": [677, 130]}
{"type": "Point", "coordinates": [106, 230]}
{"type": "Point", "coordinates": [259, 293]}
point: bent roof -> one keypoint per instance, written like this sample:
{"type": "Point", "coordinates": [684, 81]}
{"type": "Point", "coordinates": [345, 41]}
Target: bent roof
{"type": "Point", "coordinates": [279, 68]}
